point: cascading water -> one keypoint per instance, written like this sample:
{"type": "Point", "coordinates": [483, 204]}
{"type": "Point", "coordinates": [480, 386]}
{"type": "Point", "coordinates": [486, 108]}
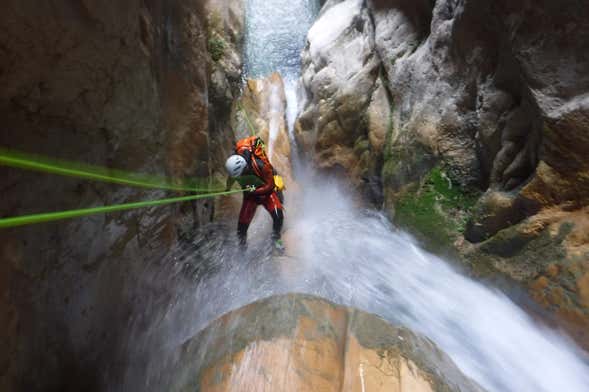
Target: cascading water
{"type": "Point", "coordinates": [349, 256]}
{"type": "Point", "coordinates": [356, 258]}
{"type": "Point", "coordinates": [276, 32]}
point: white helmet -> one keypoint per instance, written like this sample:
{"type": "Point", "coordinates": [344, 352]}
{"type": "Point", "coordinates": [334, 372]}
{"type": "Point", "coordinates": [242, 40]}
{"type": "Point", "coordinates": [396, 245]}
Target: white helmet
{"type": "Point", "coordinates": [235, 165]}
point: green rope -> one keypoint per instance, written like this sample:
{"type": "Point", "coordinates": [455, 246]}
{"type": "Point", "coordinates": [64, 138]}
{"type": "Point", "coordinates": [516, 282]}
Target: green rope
{"type": "Point", "coordinates": [55, 216]}
{"type": "Point", "coordinates": [252, 129]}
{"type": "Point", "coordinates": [37, 163]}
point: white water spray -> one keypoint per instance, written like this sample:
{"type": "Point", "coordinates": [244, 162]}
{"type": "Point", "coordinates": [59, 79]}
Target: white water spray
{"type": "Point", "coordinates": [275, 112]}
{"type": "Point", "coordinates": [356, 258]}
{"type": "Point", "coordinates": [276, 32]}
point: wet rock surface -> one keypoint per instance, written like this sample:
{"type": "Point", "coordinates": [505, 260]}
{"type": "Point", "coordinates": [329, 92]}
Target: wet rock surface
{"type": "Point", "coordinates": [303, 343]}
{"type": "Point", "coordinates": [261, 110]}
{"type": "Point", "coordinates": [340, 72]}
{"type": "Point", "coordinates": [225, 41]}
{"type": "Point", "coordinates": [124, 85]}
{"type": "Point", "coordinates": [488, 97]}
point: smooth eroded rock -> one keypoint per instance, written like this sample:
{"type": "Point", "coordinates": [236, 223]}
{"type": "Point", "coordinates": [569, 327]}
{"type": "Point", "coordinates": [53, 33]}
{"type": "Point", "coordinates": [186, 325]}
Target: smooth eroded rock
{"type": "Point", "coordinates": [303, 343]}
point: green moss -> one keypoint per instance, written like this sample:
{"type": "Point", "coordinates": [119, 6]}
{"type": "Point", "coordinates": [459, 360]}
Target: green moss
{"type": "Point", "coordinates": [389, 135]}
{"type": "Point", "coordinates": [216, 47]}
{"type": "Point", "coordinates": [389, 169]}
{"type": "Point", "coordinates": [361, 145]}
{"type": "Point", "coordinates": [435, 211]}
{"type": "Point", "coordinates": [216, 44]}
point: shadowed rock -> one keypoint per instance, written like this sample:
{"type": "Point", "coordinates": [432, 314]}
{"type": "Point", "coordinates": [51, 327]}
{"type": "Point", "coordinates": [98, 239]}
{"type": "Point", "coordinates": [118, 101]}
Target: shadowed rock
{"type": "Point", "coordinates": [124, 85]}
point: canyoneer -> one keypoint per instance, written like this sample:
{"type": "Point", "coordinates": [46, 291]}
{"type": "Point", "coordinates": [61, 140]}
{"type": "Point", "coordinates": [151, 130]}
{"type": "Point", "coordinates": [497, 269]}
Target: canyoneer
{"type": "Point", "coordinates": [251, 169]}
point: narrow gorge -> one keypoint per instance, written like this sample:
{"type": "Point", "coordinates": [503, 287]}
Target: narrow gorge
{"type": "Point", "coordinates": [437, 184]}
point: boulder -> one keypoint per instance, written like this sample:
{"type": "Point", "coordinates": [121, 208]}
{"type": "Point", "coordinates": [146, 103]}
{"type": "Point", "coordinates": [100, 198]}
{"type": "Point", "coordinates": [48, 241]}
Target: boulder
{"type": "Point", "coordinates": [303, 343]}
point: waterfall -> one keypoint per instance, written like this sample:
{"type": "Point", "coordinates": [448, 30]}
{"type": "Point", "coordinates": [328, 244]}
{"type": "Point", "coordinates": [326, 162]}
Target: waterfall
{"type": "Point", "coordinates": [357, 258]}
{"type": "Point", "coordinates": [352, 257]}
{"type": "Point", "coordinates": [275, 113]}
{"type": "Point", "coordinates": [276, 32]}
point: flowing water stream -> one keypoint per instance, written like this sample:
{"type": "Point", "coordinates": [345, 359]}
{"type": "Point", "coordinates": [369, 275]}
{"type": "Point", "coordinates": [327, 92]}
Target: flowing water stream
{"type": "Point", "coordinates": [276, 32]}
{"type": "Point", "coordinates": [352, 257]}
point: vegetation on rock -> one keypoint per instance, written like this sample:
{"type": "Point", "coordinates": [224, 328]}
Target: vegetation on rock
{"type": "Point", "coordinates": [437, 210]}
{"type": "Point", "coordinates": [216, 46]}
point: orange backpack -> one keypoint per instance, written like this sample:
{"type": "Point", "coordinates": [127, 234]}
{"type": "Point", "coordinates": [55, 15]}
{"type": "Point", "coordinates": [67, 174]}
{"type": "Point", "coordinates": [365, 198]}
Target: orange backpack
{"type": "Point", "coordinates": [255, 146]}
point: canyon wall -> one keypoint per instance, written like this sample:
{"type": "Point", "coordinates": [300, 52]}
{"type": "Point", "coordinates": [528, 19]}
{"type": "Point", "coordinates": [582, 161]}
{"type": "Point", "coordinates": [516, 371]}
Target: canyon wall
{"type": "Point", "coordinates": [138, 86]}
{"type": "Point", "coordinates": [467, 122]}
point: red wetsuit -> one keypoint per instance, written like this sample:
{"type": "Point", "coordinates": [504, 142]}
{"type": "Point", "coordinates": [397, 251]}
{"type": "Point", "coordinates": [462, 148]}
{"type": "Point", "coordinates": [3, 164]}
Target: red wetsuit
{"type": "Point", "coordinates": [264, 195]}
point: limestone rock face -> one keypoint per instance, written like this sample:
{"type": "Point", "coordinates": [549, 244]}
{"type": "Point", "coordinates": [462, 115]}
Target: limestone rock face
{"type": "Point", "coordinates": [225, 39]}
{"type": "Point", "coordinates": [489, 98]}
{"type": "Point", "coordinates": [226, 24]}
{"type": "Point", "coordinates": [302, 343]}
{"type": "Point", "coordinates": [340, 73]}
{"type": "Point", "coordinates": [122, 85]}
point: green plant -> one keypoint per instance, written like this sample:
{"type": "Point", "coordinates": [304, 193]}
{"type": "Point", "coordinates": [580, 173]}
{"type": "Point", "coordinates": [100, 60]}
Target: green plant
{"type": "Point", "coordinates": [216, 43]}
{"type": "Point", "coordinates": [216, 46]}
{"type": "Point", "coordinates": [437, 210]}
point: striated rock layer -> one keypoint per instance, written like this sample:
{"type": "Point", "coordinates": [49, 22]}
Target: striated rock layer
{"type": "Point", "coordinates": [126, 85]}
{"type": "Point", "coordinates": [303, 343]}
{"type": "Point", "coordinates": [467, 120]}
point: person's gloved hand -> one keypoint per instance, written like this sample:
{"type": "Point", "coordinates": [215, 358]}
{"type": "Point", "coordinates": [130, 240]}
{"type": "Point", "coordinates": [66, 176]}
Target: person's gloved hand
{"type": "Point", "coordinates": [250, 189]}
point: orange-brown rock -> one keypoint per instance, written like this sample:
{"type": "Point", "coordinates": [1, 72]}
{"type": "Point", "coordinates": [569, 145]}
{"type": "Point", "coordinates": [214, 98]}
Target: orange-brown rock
{"type": "Point", "coordinates": [264, 108]}
{"type": "Point", "coordinates": [549, 254]}
{"type": "Point", "coordinates": [299, 343]}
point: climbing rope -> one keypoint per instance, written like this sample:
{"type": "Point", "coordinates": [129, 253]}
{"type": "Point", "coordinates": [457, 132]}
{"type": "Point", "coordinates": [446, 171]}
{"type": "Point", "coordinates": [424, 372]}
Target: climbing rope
{"type": "Point", "coordinates": [61, 215]}
{"type": "Point", "coordinates": [251, 126]}
{"type": "Point", "coordinates": [28, 162]}
{"type": "Point", "coordinates": [69, 169]}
